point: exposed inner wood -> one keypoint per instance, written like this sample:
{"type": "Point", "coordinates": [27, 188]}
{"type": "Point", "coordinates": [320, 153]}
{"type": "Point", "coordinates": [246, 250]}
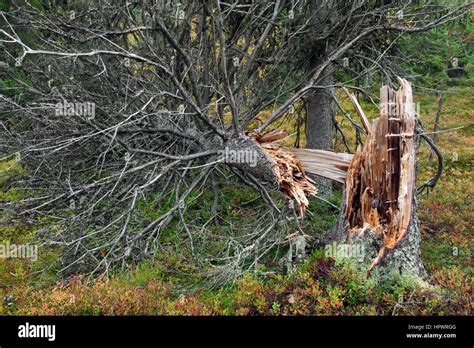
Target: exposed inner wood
{"type": "Point", "coordinates": [290, 166]}
{"type": "Point", "coordinates": [292, 179]}
{"type": "Point", "coordinates": [328, 164]}
{"type": "Point", "coordinates": [381, 177]}
{"type": "Point", "coordinates": [360, 111]}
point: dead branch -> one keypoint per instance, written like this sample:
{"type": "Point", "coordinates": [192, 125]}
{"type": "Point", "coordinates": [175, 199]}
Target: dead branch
{"type": "Point", "coordinates": [430, 184]}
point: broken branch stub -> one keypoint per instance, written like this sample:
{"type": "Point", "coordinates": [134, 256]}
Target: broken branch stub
{"type": "Point", "coordinates": [380, 183]}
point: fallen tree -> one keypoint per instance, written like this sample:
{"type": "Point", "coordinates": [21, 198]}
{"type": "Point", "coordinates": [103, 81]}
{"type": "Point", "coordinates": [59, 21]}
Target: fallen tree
{"type": "Point", "coordinates": [380, 182]}
{"type": "Point", "coordinates": [169, 98]}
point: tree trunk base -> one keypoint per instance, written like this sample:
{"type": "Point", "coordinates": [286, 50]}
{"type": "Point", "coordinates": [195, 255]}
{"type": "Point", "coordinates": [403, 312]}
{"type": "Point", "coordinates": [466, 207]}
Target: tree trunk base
{"type": "Point", "coordinates": [404, 260]}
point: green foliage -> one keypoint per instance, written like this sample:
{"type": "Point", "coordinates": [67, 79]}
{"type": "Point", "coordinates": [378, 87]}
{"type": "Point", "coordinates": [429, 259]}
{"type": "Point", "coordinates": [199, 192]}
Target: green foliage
{"type": "Point", "coordinates": [431, 54]}
{"type": "Point", "coordinates": [322, 215]}
{"type": "Point", "coordinates": [5, 5]}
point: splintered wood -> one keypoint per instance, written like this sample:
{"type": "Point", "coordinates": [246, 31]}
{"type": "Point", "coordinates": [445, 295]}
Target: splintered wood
{"type": "Point", "coordinates": [380, 180]}
{"type": "Point", "coordinates": [287, 168]}
{"type": "Point", "coordinates": [327, 164]}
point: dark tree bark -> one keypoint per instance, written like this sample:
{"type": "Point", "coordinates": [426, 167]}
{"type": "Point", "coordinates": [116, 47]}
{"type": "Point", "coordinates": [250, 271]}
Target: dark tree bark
{"type": "Point", "coordinates": [319, 103]}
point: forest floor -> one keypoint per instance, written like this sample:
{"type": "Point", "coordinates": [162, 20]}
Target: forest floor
{"type": "Point", "coordinates": [320, 285]}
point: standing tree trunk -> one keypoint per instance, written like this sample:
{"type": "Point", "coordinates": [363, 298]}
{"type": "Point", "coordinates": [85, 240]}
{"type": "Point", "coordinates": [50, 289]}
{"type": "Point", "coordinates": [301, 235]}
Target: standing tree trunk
{"type": "Point", "coordinates": [319, 104]}
{"type": "Point", "coordinates": [379, 212]}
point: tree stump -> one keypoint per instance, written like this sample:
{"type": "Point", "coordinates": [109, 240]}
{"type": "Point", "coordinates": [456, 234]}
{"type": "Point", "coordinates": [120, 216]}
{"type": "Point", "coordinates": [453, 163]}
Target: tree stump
{"type": "Point", "coordinates": [379, 209]}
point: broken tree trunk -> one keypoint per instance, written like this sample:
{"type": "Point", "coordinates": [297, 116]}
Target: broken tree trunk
{"type": "Point", "coordinates": [380, 194]}
{"type": "Point", "coordinates": [287, 169]}
{"type": "Point", "coordinates": [272, 165]}
{"type": "Point", "coordinates": [378, 212]}
{"type": "Point", "coordinates": [291, 166]}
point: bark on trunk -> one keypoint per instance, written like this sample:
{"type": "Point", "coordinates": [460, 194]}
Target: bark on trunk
{"type": "Point", "coordinates": [320, 115]}
{"type": "Point", "coordinates": [319, 102]}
